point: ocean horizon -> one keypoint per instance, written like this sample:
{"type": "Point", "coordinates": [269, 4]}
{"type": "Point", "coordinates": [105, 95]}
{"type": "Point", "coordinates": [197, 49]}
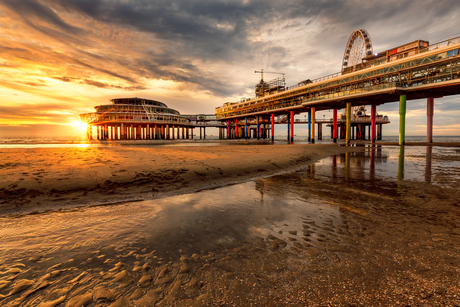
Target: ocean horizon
{"type": "Point", "coordinates": [278, 138]}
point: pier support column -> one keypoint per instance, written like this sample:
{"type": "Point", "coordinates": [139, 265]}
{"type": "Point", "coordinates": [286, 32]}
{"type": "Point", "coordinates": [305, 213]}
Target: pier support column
{"type": "Point", "coordinates": [402, 119]}
{"type": "Point", "coordinates": [258, 127]}
{"type": "Point", "coordinates": [246, 135]}
{"type": "Point", "coordinates": [313, 116]}
{"type": "Point", "coordinates": [273, 126]}
{"type": "Point", "coordinates": [334, 133]}
{"type": "Point", "coordinates": [373, 119]}
{"type": "Point", "coordinates": [292, 126]}
{"type": "Point", "coordinates": [348, 126]}
{"type": "Point", "coordinates": [228, 129]}
{"type": "Point", "coordinates": [148, 132]}
{"type": "Point", "coordinates": [237, 135]}
{"type": "Point", "coordinates": [320, 131]}
{"type": "Point", "coordinates": [309, 125]}
{"type": "Point", "coordinates": [288, 126]}
{"type": "Point", "coordinates": [429, 120]}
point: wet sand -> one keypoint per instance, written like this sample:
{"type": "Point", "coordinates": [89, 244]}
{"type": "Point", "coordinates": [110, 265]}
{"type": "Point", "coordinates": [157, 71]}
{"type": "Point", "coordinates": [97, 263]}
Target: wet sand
{"type": "Point", "coordinates": [40, 179]}
{"type": "Point", "coordinates": [365, 228]}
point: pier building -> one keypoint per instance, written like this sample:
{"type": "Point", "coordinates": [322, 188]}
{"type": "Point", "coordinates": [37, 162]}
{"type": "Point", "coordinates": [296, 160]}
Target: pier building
{"type": "Point", "coordinates": [414, 70]}
{"type": "Point", "coordinates": [136, 119]}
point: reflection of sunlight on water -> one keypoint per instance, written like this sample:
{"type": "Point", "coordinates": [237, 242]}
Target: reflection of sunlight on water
{"type": "Point", "coordinates": [233, 214]}
{"type": "Point", "coordinates": [73, 145]}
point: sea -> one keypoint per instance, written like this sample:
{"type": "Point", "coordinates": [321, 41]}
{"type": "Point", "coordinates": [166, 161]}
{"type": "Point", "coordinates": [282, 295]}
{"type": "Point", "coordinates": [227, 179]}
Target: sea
{"type": "Point", "coordinates": [211, 140]}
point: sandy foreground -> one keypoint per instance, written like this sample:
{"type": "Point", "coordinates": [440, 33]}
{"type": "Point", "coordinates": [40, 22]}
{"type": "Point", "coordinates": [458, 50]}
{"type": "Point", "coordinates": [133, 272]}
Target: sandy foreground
{"type": "Point", "coordinates": [41, 179]}
{"type": "Point", "coordinates": [322, 234]}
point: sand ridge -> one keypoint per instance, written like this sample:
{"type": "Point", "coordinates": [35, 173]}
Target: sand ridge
{"type": "Point", "coordinates": [35, 180]}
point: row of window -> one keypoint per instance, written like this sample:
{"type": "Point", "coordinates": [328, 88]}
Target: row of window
{"type": "Point", "coordinates": [135, 108]}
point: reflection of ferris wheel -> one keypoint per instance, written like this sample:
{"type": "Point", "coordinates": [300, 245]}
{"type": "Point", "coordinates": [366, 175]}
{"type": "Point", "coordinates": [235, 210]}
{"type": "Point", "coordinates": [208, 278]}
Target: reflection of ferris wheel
{"type": "Point", "coordinates": [359, 45]}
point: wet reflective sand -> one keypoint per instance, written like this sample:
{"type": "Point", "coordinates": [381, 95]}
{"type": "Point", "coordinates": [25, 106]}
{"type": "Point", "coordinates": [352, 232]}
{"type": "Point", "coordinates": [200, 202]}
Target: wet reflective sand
{"type": "Point", "coordinates": [374, 228]}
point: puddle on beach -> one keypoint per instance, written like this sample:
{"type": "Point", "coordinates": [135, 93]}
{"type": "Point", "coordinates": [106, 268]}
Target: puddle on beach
{"type": "Point", "coordinates": [247, 243]}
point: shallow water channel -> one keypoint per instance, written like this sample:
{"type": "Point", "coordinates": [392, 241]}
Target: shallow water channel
{"type": "Point", "coordinates": [175, 250]}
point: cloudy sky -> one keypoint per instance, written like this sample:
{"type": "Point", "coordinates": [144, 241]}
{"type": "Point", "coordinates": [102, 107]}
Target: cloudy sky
{"type": "Point", "coordinates": [59, 58]}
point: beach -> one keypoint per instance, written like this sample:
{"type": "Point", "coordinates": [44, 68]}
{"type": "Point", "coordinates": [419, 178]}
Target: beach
{"type": "Point", "coordinates": [240, 225]}
{"type": "Point", "coordinates": [40, 179]}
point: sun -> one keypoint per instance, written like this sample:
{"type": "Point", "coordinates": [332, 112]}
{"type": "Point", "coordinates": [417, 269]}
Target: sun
{"type": "Point", "coordinates": [80, 126]}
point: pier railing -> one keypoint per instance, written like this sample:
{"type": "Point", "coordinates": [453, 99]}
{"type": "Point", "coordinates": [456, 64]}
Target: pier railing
{"type": "Point", "coordinates": [356, 91]}
{"type": "Point", "coordinates": [133, 117]}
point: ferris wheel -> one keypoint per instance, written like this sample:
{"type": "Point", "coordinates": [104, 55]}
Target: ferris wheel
{"type": "Point", "coordinates": [359, 45]}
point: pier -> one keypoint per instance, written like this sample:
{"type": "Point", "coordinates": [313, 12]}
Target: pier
{"type": "Point", "coordinates": [416, 70]}
{"type": "Point", "coordinates": [143, 119]}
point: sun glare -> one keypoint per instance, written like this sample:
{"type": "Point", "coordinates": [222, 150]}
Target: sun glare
{"type": "Point", "coordinates": [81, 126]}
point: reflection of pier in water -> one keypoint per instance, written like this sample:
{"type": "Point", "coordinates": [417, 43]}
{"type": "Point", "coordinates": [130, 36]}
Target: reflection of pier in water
{"type": "Point", "coordinates": [378, 170]}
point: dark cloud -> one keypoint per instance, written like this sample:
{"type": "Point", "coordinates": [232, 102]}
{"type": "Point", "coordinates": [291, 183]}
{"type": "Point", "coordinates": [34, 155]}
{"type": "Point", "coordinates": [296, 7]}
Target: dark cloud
{"type": "Point", "coordinates": [64, 79]}
{"type": "Point", "coordinates": [43, 11]}
{"type": "Point", "coordinates": [6, 48]}
{"type": "Point", "coordinates": [174, 35]}
{"type": "Point", "coordinates": [111, 86]}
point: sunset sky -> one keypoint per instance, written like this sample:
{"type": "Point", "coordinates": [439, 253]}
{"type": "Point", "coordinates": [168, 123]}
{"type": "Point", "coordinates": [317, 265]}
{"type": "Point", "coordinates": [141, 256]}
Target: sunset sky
{"type": "Point", "coordinates": [59, 58]}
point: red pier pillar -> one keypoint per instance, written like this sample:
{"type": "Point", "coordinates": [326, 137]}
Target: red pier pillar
{"type": "Point", "coordinates": [334, 117]}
